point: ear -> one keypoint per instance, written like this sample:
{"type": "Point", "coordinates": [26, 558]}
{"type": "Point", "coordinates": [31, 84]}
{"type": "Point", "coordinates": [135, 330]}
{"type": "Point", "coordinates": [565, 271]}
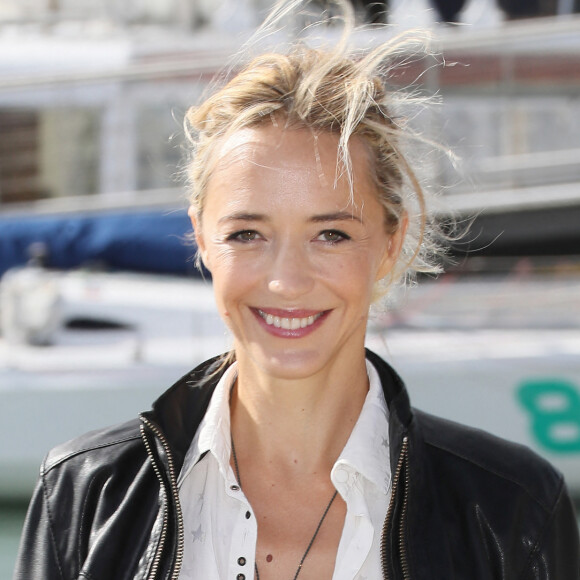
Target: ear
{"type": "Point", "coordinates": [393, 249]}
{"type": "Point", "coordinates": [199, 238]}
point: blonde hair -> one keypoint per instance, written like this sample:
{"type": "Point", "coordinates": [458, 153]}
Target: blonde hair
{"type": "Point", "coordinates": [336, 90]}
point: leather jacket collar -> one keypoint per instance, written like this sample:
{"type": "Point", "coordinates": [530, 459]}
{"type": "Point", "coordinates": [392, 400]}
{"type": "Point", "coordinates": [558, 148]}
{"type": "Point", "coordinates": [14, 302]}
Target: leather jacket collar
{"type": "Point", "coordinates": [180, 410]}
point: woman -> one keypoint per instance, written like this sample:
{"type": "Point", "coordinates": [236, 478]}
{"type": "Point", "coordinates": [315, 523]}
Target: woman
{"type": "Point", "coordinates": [298, 454]}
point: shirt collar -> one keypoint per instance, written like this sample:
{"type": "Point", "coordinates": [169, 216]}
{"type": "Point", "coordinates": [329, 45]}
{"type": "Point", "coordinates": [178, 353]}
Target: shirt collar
{"type": "Point", "coordinates": [367, 450]}
{"type": "Point", "coordinates": [213, 433]}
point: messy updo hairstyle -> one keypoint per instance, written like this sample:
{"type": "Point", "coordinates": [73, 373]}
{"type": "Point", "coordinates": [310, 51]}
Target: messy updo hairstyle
{"type": "Point", "coordinates": [336, 90]}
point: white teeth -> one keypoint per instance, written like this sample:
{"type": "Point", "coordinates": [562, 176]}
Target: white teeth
{"type": "Point", "coordinates": [289, 323]}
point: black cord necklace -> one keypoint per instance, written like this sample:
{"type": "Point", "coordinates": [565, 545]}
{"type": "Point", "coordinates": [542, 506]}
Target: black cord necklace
{"type": "Point", "coordinates": [317, 527]}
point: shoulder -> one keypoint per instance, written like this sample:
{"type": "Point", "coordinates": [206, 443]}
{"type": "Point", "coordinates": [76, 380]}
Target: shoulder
{"type": "Point", "coordinates": [489, 458]}
{"type": "Point", "coordinates": [498, 501]}
{"type": "Point", "coordinates": [108, 443]}
{"type": "Point", "coordinates": [177, 412]}
{"type": "Point", "coordinates": [107, 468]}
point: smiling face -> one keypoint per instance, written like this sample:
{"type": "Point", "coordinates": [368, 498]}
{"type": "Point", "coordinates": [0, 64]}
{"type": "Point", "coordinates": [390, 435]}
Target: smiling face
{"type": "Point", "coordinates": [294, 257]}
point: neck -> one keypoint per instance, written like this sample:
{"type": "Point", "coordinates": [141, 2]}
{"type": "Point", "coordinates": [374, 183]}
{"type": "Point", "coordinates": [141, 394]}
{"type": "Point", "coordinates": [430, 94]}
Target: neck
{"type": "Point", "coordinates": [297, 425]}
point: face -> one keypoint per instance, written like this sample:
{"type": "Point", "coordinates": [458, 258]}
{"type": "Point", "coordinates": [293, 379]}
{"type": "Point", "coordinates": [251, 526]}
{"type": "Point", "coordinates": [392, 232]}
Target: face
{"type": "Point", "coordinates": [293, 257]}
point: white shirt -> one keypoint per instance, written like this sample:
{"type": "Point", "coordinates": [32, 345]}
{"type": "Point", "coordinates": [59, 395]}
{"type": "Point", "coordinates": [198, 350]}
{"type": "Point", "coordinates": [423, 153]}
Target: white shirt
{"type": "Point", "coordinates": [219, 524]}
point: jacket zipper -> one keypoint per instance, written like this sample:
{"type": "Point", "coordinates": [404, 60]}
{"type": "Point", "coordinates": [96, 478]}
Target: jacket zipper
{"type": "Point", "coordinates": [175, 496]}
{"type": "Point", "coordinates": [403, 462]}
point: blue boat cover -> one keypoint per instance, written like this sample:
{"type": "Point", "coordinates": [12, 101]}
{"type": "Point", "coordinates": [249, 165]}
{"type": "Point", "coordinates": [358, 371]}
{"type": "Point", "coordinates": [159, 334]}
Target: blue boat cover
{"type": "Point", "coordinates": [154, 241]}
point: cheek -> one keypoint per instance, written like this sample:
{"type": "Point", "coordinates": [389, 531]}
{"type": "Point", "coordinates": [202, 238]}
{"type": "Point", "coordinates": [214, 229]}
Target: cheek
{"type": "Point", "coordinates": [232, 278]}
{"type": "Point", "coordinates": [223, 260]}
{"type": "Point", "coordinates": [353, 276]}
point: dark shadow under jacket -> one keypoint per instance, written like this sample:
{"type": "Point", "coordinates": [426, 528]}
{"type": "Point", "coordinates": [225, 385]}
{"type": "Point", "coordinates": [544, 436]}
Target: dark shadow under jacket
{"type": "Point", "coordinates": [465, 504]}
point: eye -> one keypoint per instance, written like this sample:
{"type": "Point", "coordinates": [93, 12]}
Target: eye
{"type": "Point", "coordinates": [333, 236]}
{"type": "Point", "coordinates": [244, 236]}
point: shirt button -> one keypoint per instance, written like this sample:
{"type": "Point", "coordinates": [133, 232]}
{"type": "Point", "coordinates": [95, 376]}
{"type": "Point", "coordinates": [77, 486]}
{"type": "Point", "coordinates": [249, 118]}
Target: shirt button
{"type": "Point", "coordinates": [248, 515]}
{"type": "Point", "coordinates": [241, 561]}
{"type": "Point", "coordinates": [341, 476]}
{"type": "Point", "coordinates": [241, 577]}
{"type": "Point", "coordinates": [235, 488]}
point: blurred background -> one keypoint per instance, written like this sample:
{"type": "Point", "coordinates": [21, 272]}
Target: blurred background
{"type": "Point", "coordinates": [101, 308]}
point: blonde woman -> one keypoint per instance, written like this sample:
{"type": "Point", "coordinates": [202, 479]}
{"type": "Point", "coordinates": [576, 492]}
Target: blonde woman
{"type": "Point", "coordinates": [298, 455]}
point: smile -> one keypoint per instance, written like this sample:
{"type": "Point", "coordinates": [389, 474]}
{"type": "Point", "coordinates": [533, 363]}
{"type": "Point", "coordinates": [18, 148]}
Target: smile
{"type": "Point", "coordinates": [289, 323]}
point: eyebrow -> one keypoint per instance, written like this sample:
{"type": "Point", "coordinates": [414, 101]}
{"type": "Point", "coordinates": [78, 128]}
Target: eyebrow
{"type": "Point", "coordinates": [336, 217]}
{"type": "Point", "coordinates": [243, 216]}
{"type": "Point", "coordinates": [258, 217]}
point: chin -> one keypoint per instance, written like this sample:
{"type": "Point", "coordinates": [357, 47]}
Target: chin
{"type": "Point", "coordinates": [290, 364]}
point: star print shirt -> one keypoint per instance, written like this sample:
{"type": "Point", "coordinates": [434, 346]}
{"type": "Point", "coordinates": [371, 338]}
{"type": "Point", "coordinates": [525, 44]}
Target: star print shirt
{"type": "Point", "coordinates": [219, 525]}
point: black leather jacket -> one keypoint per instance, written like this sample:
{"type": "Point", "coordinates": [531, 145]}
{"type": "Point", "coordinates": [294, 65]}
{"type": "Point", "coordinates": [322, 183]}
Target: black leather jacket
{"type": "Point", "coordinates": [465, 504]}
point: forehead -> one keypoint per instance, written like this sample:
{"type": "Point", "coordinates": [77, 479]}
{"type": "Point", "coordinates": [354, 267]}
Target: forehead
{"type": "Point", "coordinates": [289, 157]}
{"type": "Point", "coordinates": [281, 147]}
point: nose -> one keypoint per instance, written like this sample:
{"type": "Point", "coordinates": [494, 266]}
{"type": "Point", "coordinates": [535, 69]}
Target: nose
{"type": "Point", "coordinates": [291, 274]}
